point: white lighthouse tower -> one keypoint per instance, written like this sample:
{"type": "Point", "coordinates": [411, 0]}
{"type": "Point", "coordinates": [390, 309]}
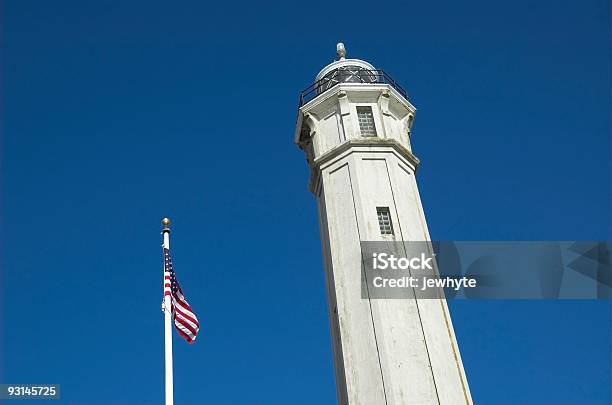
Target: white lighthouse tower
{"type": "Point", "coordinates": [354, 124]}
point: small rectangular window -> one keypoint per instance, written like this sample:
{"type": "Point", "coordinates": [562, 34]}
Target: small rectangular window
{"type": "Point", "coordinates": [384, 221]}
{"type": "Point", "coordinates": [366, 121]}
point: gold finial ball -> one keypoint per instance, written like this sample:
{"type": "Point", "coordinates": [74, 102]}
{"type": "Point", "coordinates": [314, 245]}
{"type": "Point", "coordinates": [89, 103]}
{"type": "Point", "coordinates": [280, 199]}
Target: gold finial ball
{"type": "Point", "coordinates": [166, 221]}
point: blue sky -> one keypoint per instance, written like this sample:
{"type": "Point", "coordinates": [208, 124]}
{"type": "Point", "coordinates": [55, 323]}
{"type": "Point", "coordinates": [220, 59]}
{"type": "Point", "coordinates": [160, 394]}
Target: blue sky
{"type": "Point", "coordinates": [115, 114]}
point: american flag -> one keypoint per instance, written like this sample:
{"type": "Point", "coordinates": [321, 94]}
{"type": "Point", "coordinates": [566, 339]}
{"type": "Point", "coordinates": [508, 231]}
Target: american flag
{"type": "Point", "coordinates": [185, 320]}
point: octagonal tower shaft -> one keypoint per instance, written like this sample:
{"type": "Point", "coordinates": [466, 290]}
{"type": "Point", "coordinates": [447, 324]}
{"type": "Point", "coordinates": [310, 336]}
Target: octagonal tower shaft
{"type": "Point", "coordinates": [354, 125]}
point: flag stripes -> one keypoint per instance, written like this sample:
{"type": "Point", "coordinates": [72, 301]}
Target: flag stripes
{"type": "Point", "coordinates": [185, 321]}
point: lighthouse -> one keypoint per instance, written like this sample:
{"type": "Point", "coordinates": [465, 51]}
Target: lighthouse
{"type": "Point", "coordinates": [355, 127]}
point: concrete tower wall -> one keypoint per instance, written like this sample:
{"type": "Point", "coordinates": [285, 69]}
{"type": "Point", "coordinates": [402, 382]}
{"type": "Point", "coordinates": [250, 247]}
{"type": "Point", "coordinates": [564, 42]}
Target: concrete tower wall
{"type": "Point", "coordinates": [390, 352]}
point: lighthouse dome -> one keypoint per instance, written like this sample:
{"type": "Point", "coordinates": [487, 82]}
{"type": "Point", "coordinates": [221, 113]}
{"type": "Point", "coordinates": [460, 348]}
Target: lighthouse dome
{"type": "Point", "coordinates": [345, 71]}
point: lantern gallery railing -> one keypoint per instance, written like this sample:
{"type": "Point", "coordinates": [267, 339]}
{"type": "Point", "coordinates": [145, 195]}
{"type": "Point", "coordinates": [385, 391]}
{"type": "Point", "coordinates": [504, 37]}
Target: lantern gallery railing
{"type": "Point", "coordinates": [349, 74]}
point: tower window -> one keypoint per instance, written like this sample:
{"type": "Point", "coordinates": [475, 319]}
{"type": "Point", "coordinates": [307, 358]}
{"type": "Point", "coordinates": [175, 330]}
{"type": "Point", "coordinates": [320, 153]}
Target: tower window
{"type": "Point", "coordinates": [384, 221]}
{"type": "Point", "coordinates": [366, 121]}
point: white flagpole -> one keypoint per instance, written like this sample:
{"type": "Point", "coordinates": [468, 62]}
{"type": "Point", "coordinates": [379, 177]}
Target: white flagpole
{"type": "Point", "coordinates": [167, 319]}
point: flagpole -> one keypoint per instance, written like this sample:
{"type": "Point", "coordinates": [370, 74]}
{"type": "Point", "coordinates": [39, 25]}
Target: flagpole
{"type": "Point", "coordinates": [167, 320]}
